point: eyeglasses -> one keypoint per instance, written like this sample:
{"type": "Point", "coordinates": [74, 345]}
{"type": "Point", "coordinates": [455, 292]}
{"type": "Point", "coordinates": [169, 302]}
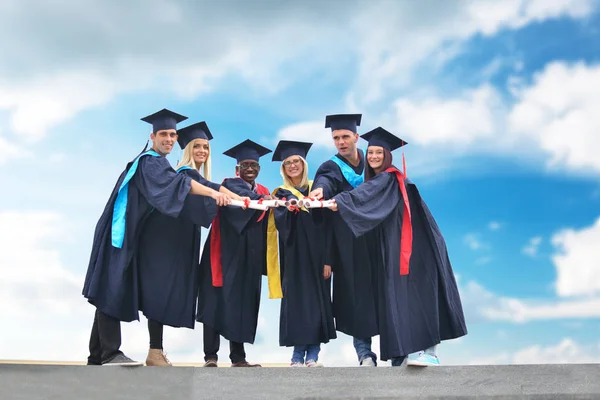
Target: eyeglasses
{"type": "Point", "coordinates": [295, 161]}
{"type": "Point", "coordinates": [253, 165]}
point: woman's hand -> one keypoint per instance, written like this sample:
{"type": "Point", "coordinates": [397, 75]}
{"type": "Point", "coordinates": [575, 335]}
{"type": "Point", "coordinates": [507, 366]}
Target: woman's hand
{"type": "Point", "coordinates": [221, 198]}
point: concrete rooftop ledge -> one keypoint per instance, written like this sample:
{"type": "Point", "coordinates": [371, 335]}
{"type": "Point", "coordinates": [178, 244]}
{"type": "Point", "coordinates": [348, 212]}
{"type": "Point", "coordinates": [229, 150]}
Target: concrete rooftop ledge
{"type": "Point", "coordinates": [550, 381]}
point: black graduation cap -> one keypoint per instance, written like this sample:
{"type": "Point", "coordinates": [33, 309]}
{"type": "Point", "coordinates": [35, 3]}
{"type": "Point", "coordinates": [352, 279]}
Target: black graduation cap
{"type": "Point", "coordinates": [343, 121]}
{"type": "Point", "coordinates": [199, 130]}
{"type": "Point", "coordinates": [287, 148]}
{"type": "Point", "coordinates": [383, 138]}
{"type": "Point", "coordinates": [164, 119]}
{"type": "Point", "coordinates": [247, 150]}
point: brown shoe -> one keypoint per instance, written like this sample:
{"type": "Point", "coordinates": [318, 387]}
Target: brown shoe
{"type": "Point", "coordinates": [245, 364]}
{"type": "Point", "coordinates": [211, 363]}
{"type": "Point", "coordinates": [157, 358]}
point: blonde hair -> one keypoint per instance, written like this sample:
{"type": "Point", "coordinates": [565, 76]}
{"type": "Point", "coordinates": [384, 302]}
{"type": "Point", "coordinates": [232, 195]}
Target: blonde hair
{"type": "Point", "coordinates": [286, 179]}
{"type": "Point", "coordinates": [188, 159]}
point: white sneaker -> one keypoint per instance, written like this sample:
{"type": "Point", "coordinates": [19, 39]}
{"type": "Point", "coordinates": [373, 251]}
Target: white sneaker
{"type": "Point", "coordinates": [296, 364]}
{"type": "Point", "coordinates": [368, 362]}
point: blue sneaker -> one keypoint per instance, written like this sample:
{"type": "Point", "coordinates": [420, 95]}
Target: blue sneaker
{"type": "Point", "coordinates": [424, 360]}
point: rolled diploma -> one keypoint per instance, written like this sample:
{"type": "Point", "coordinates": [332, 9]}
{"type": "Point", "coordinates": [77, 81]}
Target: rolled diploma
{"type": "Point", "coordinates": [292, 202]}
{"type": "Point", "coordinates": [274, 203]}
{"type": "Point", "coordinates": [316, 203]}
{"type": "Point", "coordinates": [253, 205]}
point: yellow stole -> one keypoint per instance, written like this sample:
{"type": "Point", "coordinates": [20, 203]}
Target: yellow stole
{"type": "Point", "coordinates": [273, 274]}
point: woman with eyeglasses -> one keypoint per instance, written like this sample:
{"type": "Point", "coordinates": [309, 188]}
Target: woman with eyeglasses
{"type": "Point", "coordinates": [306, 318]}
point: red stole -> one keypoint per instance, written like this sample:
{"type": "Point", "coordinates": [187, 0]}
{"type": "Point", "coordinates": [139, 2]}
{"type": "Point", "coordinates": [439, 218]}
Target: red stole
{"type": "Point", "coordinates": [406, 238]}
{"type": "Point", "coordinates": [216, 266]}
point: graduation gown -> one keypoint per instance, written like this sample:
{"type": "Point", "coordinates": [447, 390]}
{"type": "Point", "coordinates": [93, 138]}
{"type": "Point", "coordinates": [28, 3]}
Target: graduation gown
{"type": "Point", "coordinates": [232, 310]}
{"type": "Point", "coordinates": [353, 297]}
{"type": "Point", "coordinates": [169, 258]}
{"type": "Point", "coordinates": [306, 313]}
{"type": "Point", "coordinates": [417, 310]}
{"type": "Point", "coordinates": [111, 282]}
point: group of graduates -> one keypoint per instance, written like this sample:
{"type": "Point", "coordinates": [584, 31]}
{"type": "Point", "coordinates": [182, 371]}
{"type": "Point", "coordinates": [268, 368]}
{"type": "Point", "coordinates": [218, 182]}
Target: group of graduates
{"type": "Point", "coordinates": [377, 241]}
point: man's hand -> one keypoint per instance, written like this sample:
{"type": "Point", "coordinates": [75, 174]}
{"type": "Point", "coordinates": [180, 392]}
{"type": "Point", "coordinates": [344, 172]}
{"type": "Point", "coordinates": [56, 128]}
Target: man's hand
{"type": "Point", "coordinates": [316, 194]}
{"type": "Point", "coordinates": [269, 197]}
{"type": "Point", "coordinates": [221, 198]}
{"type": "Point", "coordinates": [327, 271]}
{"type": "Point", "coordinates": [244, 199]}
{"type": "Point", "coordinates": [335, 207]}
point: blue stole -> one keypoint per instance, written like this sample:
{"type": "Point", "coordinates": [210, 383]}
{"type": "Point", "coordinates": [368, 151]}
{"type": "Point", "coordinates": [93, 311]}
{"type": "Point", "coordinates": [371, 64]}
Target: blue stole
{"type": "Point", "coordinates": [120, 207]}
{"type": "Point", "coordinates": [352, 177]}
{"type": "Point", "coordinates": [183, 168]}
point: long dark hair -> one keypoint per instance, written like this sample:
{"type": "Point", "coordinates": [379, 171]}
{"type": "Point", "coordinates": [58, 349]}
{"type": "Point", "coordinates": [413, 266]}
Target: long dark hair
{"type": "Point", "coordinates": [387, 162]}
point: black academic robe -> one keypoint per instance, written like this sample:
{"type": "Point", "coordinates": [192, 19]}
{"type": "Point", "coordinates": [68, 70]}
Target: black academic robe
{"type": "Point", "coordinates": [169, 259]}
{"type": "Point", "coordinates": [111, 282]}
{"type": "Point", "coordinates": [353, 297]}
{"type": "Point", "coordinates": [306, 314]}
{"type": "Point", "coordinates": [414, 311]}
{"type": "Point", "coordinates": [232, 310]}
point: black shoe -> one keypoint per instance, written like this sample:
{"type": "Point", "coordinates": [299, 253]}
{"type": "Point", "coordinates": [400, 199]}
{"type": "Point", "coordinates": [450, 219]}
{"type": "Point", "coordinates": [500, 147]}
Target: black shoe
{"type": "Point", "coordinates": [123, 361]}
{"type": "Point", "coordinates": [93, 362]}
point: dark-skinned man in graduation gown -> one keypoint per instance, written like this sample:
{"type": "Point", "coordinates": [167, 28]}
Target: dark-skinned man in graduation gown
{"type": "Point", "coordinates": [233, 262]}
{"type": "Point", "coordinates": [169, 279]}
{"type": "Point", "coordinates": [418, 303]}
{"type": "Point", "coordinates": [348, 256]}
{"type": "Point", "coordinates": [306, 318]}
{"type": "Point", "coordinates": [111, 283]}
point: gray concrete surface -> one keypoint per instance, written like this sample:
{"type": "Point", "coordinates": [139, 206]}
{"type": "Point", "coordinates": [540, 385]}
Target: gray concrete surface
{"type": "Point", "coordinates": [581, 381]}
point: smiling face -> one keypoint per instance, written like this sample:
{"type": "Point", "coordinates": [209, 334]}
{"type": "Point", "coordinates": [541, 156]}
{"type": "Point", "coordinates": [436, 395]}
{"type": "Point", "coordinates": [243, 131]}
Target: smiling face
{"type": "Point", "coordinates": [294, 167]}
{"type": "Point", "coordinates": [163, 141]}
{"type": "Point", "coordinates": [345, 142]}
{"type": "Point", "coordinates": [375, 157]}
{"type": "Point", "coordinates": [248, 170]}
{"type": "Point", "coordinates": [200, 151]}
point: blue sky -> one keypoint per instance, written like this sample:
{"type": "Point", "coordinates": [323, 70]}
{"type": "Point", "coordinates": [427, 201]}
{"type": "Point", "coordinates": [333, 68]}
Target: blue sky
{"type": "Point", "coordinates": [498, 101]}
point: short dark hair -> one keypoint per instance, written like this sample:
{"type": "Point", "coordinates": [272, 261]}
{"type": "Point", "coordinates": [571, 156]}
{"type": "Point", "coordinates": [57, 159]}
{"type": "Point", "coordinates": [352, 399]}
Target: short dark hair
{"type": "Point", "coordinates": [387, 162]}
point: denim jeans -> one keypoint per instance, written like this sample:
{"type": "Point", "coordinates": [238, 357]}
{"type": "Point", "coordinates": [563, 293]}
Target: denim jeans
{"type": "Point", "coordinates": [310, 350]}
{"type": "Point", "coordinates": [363, 349]}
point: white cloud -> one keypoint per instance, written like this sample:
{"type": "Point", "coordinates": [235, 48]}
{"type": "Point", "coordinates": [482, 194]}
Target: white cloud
{"type": "Point", "coordinates": [473, 241]}
{"type": "Point", "coordinates": [483, 260]}
{"type": "Point", "coordinates": [494, 225]}
{"type": "Point", "coordinates": [53, 73]}
{"type": "Point", "coordinates": [36, 290]}
{"type": "Point", "coordinates": [314, 132]}
{"type": "Point", "coordinates": [455, 123]}
{"type": "Point", "coordinates": [480, 304]}
{"type": "Point", "coordinates": [531, 249]}
{"type": "Point", "coordinates": [559, 112]}
{"type": "Point", "coordinates": [400, 41]}
{"type": "Point", "coordinates": [577, 259]}
{"type": "Point", "coordinates": [10, 151]}
{"type": "Point", "coordinates": [567, 351]}
{"type": "Point", "coordinates": [553, 120]}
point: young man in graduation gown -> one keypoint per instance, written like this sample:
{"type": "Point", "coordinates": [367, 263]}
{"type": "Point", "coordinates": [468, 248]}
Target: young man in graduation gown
{"type": "Point", "coordinates": [306, 318]}
{"type": "Point", "coordinates": [418, 302]}
{"type": "Point", "coordinates": [111, 283]}
{"type": "Point", "coordinates": [169, 252]}
{"type": "Point", "coordinates": [233, 262]}
{"type": "Point", "coordinates": [348, 256]}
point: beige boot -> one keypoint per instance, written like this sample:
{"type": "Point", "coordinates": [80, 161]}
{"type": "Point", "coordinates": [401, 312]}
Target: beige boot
{"type": "Point", "coordinates": [157, 358]}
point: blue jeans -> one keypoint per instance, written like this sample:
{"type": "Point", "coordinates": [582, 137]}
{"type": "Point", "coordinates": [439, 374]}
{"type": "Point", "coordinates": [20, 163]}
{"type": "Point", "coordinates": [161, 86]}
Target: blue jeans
{"type": "Point", "coordinates": [363, 349]}
{"type": "Point", "coordinates": [310, 350]}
